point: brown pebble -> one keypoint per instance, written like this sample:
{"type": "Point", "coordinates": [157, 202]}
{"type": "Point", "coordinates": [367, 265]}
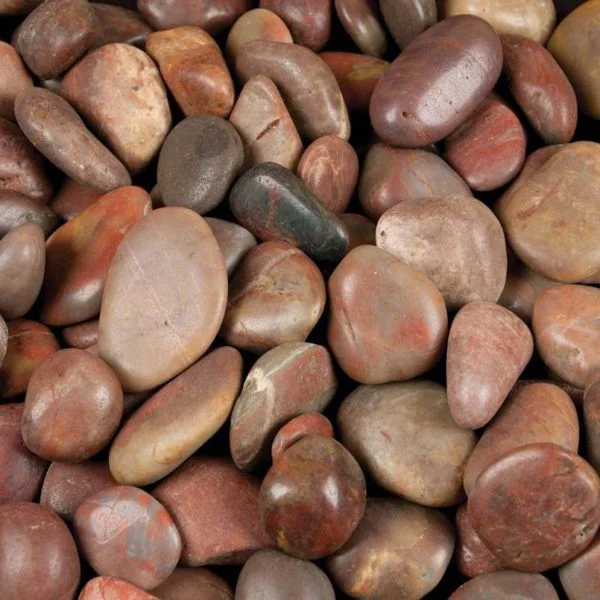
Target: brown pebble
{"type": "Point", "coordinates": [116, 24]}
{"type": "Point", "coordinates": [579, 577]}
{"type": "Point", "coordinates": [82, 335]}
{"type": "Point", "coordinates": [360, 230]}
{"type": "Point", "coordinates": [311, 423]}
{"type": "Point", "coordinates": [17, 209]}
{"type": "Point", "coordinates": [13, 78]}
{"type": "Point", "coordinates": [112, 588]}
{"type": "Point", "coordinates": [234, 240]}
{"type": "Point", "coordinates": [506, 585]}
{"type": "Point", "coordinates": [193, 584]}
{"type": "Point", "coordinates": [360, 20]}
{"type": "Point", "coordinates": [73, 198]}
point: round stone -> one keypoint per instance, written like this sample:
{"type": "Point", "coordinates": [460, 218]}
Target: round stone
{"type": "Point", "coordinates": [82, 335]}
{"type": "Point", "coordinates": [193, 584]}
{"type": "Point", "coordinates": [507, 585]}
{"type": "Point", "coordinates": [299, 427]}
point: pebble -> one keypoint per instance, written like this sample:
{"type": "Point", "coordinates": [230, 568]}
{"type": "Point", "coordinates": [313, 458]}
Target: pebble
{"type": "Point", "coordinates": [579, 577]}
{"type": "Point", "coordinates": [13, 78]}
{"type": "Point", "coordinates": [116, 24]}
{"type": "Point", "coordinates": [112, 588]}
{"type": "Point", "coordinates": [82, 335]}
{"type": "Point", "coordinates": [361, 231]}
{"type": "Point", "coordinates": [310, 423]}
{"type": "Point", "coordinates": [193, 584]}
{"type": "Point", "coordinates": [17, 209]}
{"type": "Point", "coordinates": [360, 21]}
{"type": "Point", "coordinates": [407, 19]}
{"type": "Point", "coordinates": [73, 198]}
{"type": "Point", "coordinates": [591, 421]}
{"type": "Point", "coordinates": [235, 241]}
{"type": "Point", "coordinates": [506, 585]}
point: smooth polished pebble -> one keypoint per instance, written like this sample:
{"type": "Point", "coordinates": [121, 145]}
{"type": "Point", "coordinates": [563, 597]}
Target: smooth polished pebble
{"type": "Point", "coordinates": [124, 532]}
{"type": "Point", "coordinates": [387, 322]}
{"type": "Point", "coordinates": [73, 198]}
{"type": "Point", "coordinates": [17, 209]}
{"type": "Point", "coordinates": [193, 584]}
{"type": "Point", "coordinates": [310, 423]}
{"type": "Point", "coordinates": [38, 556]}
{"type": "Point", "coordinates": [579, 577]}
{"type": "Point", "coordinates": [360, 230]}
{"type": "Point", "coordinates": [296, 493]}
{"type": "Point", "coordinates": [307, 84]}
{"type": "Point", "coordinates": [399, 550]}
{"type": "Point", "coordinates": [407, 19]}
{"type": "Point", "coordinates": [14, 77]}
{"type": "Point", "coordinates": [424, 234]}
{"type": "Point", "coordinates": [514, 497]}
{"type": "Point", "coordinates": [116, 24]}
{"type": "Point", "coordinates": [415, 102]}
{"type": "Point", "coordinates": [116, 80]}
{"type": "Point", "coordinates": [169, 259]}
{"type": "Point", "coordinates": [82, 335]}
{"type": "Point", "coordinates": [235, 241]}
{"type": "Point", "coordinates": [506, 585]}
{"type": "Point", "coordinates": [591, 422]}
{"type": "Point", "coordinates": [112, 588]}
{"type": "Point", "coordinates": [360, 20]}
{"type": "Point", "coordinates": [198, 162]}
{"type": "Point", "coordinates": [392, 430]}
{"type": "Point", "coordinates": [288, 380]}
{"type": "Point", "coordinates": [57, 131]}
{"type": "Point", "coordinates": [215, 507]}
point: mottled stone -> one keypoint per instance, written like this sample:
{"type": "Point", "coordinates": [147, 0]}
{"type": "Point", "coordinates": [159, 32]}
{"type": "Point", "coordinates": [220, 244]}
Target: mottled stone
{"type": "Point", "coordinates": [17, 209]}
{"type": "Point", "coordinates": [399, 550]}
{"type": "Point", "coordinates": [55, 36]}
{"type": "Point", "coordinates": [115, 24]}
{"type": "Point", "coordinates": [215, 507]}
{"type": "Point", "coordinates": [274, 204]}
{"type": "Point", "coordinates": [307, 84]}
{"type": "Point", "coordinates": [311, 423]}
{"type": "Point", "coordinates": [193, 584]}
{"type": "Point", "coordinates": [506, 585]}
{"type": "Point", "coordinates": [415, 103]}
{"type": "Point", "coordinates": [168, 260]}
{"type": "Point", "coordinates": [407, 19]}
{"type": "Point", "coordinates": [288, 380]}
{"type": "Point", "coordinates": [82, 335]}
{"type": "Point", "coordinates": [235, 241]}
{"type": "Point", "coordinates": [38, 556]}
{"type": "Point", "coordinates": [73, 198]}
{"type": "Point", "coordinates": [194, 69]}
{"type": "Point", "coordinates": [514, 497]}
{"type": "Point", "coordinates": [393, 175]}
{"type": "Point", "coordinates": [276, 295]}
{"type": "Point", "coordinates": [116, 80]}
{"type": "Point", "coordinates": [124, 532]}
{"type": "Point", "coordinates": [534, 413]}
{"type": "Point", "coordinates": [296, 498]}
{"type": "Point", "coordinates": [579, 577]}
{"type": "Point", "coordinates": [198, 162]}
{"type": "Point", "coordinates": [541, 88]}
{"type": "Point", "coordinates": [360, 230]}
{"type": "Point", "coordinates": [265, 125]}
{"type": "Point", "coordinates": [13, 78]}
{"type": "Point", "coordinates": [404, 435]}
{"type": "Point", "coordinates": [56, 130]}
{"type": "Point", "coordinates": [488, 349]}
{"type": "Point", "coordinates": [387, 322]}
{"type": "Point", "coordinates": [488, 149]}
{"type": "Point", "coordinates": [112, 588]}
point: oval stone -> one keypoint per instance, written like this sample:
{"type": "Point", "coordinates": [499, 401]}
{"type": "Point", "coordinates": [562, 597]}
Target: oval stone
{"type": "Point", "coordinates": [112, 588]}
{"type": "Point", "coordinates": [361, 231]}
{"type": "Point", "coordinates": [399, 550]}
{"type": "Point", "coordinates": [359, 19]}
{"type": "Point", "coordinates": [82, 335]}
{"type": "Point", "coordinates": [407, 19]}
{"type": "Point", "coordinates": [311, 423]}
{"type": "Point", "coordinates": [193, 584]}
{"type": "Point", "coordinates": [591, 420]}
{"type": "Point", "coordinates": [13, 78]}
{"type": "Point", "coordinates": [17, 209]}
{"type": "Point", "coordinates": [215, 507]}
{"type": "Point", "coordinates": [289, 380]}
{"type": "Point", "coordinates": [73, 198]}
{"type": "Point", "coordinates": [579, 577]}
{"type": "Point", "coordinates": [235, 241]}
{"type": "Point", "coordinates": [168, 260]}
{"type": "Point", "coordinates": [513, 498]}
{"type": "Point", "coordinates": [506, 585]}
{"type": "Point", "coordinates": [437, 82]}
{"type": "Point", "coordinates": [404, 435]}
{"type": "Point", "coordinates": [116, 24]}
{"type": "Point", "coordinates": [124, 532]}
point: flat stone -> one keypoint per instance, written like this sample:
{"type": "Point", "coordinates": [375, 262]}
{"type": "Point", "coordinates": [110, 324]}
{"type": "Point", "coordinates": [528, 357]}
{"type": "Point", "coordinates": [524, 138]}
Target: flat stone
{"type": "Point", "coordinates": [116, 24]}
{"type": "Point", "coordinates": [512, 499]}
{"type": "Point", "coordinates": [405, 437]}
{"type": "Point", "coordinates": [234, 240]}
{"type": "Point", "coordinates": [116, 80]}
{"type": "Point", "coordinates": [361, 231]}
{"type": "Point", "coordinates": [193, 584]}
{"type": "Point", "coordinates": [399, 550]}
{"type": "Point", "coordinates": [296, 493]}
{"type": "Point", "coordinates": [276, 295]}
{"type": "Point", "coordinates": [387, 322]}
{"type": "Point", "coordinates": [506, 585]}
{"type": "Point", "coordinates": [13, 78]}
{"type": "Point", "coordinates": [274, 204]}
{"type": "Point", "coordinates": [407, 19]}
{"type": "Point", "coordinates": [289, 380]}
{"type": "Point", "coordinates": [311, 423]}
{"type": "Point", "coordinates": [591, 421]}
{"type": "Point", "coordinates": [579, 577]}
{"type": "Point", "coordinates": [124, 532]}
{"type": "Point", "coordinates": [198, 162]}
{"type": "Point", "coordinates": [359, 19]}
{"type": "Point", "coordinates": [111, 588]}
{"type": "Point", "coordinates": [82, 335]}
{"type": "Point", "coordinates": [488, 349]}
{"type": "Point", "coordinates": [73, 198]}
{"type": "Point", "coordinates": [17, 209]}
{"type": "Point", "coordinates": [415, 102]}
{"type": "Point", "coordinates": [215, 507]}
{"type": "Point", "coordinates": [155, 271]}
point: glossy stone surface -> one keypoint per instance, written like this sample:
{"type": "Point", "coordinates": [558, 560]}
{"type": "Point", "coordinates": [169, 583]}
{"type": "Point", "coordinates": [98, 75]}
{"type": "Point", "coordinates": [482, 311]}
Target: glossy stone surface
{"type": "Point", "coordinates": [115, 24]}
{"type": "Point", "coordinates": [307, 84]}
{"type": "Point", "coordinates": [579, 577]}
{"type": "Point", "coordinates": [415, 103]}
{"type": "Point", "coordinates": [591, 421]}
{"type": "Point", "coordinates": [55, 35]}
{"type": "Point", "coordinates": [361, 231]}
{"type": "Point", "coordinates": [534, 413]}
{"type": "Point", "coordinates": [38, 557]}
{"type": "Point", "coordinates": [22, 472]}
{"type": "Point", "coordinates": [235, 241]}
{"type": "Point", "coordinates": [424, 234]}
{"type": "Point", "coordinates": [82, 335]}
{"type": "Point", "coordinates": [193, 584]}
{"type": "Point", "coordinates": [112, 588]}
{"type": "Point", "coordinates": [176, 421]}
{"type": "Point", "coordinates": [387, 322]}
{"type": "Point", "coordinates": [289, 380]}
{"type": "Point", "coordinates": [407, 19]}
{"type": "Point", "coordinates": [541, 88]}
{"type": "Point", "coordinates": [399, 550]}
{"type": "Point", "coordinates": [573, 46]}
{"type": "Point", "coordinates": [506, 585]}
{"type": "Point", "coordinates": [359, 19]}
{"type": "Point", "coordinates": [73, 407]}
{"type": "Point", "coordinates": [21, 166]}
{"type": "Point", "coordinates": [169, 259]}
{"type": "Point", "coordinates": [550, 214]}
{"type": "Point", "coordinates": [194, 69]}
{"type": "Point", "coordinates": [119, 79]}
{"type": "Point", "coordinates": [215, 507]}
{"type": "Point", "coordinates": [329, 168]}
{"type": "Point", "coordinates": [488, 349]}
{"type": "Point", "coordinates": [567, 336]}
{"type": "Point", "coordinates": [276, 295]}
{"type": "Point", "coordinates": [73, 198]}
{"type": "Point", "coordinates": [296, 498]}
{"type": "Point", "coordinates": [274, 204]}
{"type": "Point", "coordinates": [512, 498]}
{"type": "Point", "coordinates": [488, 149]}
{"type": "Point", "coordinates": [393, 175]}
{"type": "Point", "coordinates": [56, 130]}
{"type": "Point", "coordinates": [22, 263]}
{"type": "Point", "coordinates": [124, 532]}
{"type": "Point", "coordinates": [79, 253]}
{"type": "Point", "coordinates": [405, 437]}
{"type": "Point", "coordinates": [13, 78]}
{"type": "Point", "coordinates": [17, 209]}
{"type": "Point", "coordinates": [311, 423]}
{"type": "Point", "coordinates": [272, 575]}
{"type": "Point", "coordinates": [198, 162]}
